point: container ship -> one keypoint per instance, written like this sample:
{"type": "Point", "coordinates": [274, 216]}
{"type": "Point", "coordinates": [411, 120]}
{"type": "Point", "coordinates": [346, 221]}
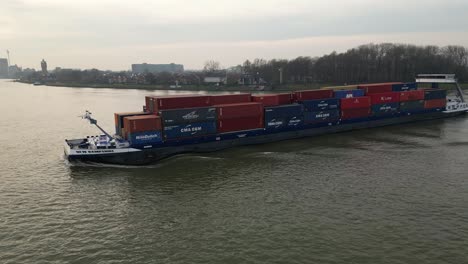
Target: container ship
{"type": "Point", "coordinates": [172, 125]}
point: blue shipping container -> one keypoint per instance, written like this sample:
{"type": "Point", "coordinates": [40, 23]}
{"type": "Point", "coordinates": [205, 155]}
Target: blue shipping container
{"type": "Point", "coordinates": [147, 137]}
{"type": "Point", "coordinates": [349, 93]}
{"type": "Point", "coordinates": [283, 111]}
{"type": "Point", "coordinates": [385, 109]}
{"type": "Point", "coordinates": [321, 104]}
{"type": "Point", "coordinates": [404, 87]}
{"type": "Point", "coordinates": [435, 94]}
{"type": "Point", "coordinates": [188, 115]}
{"type": "Point", "coordinates": [283, 122]}
{"type": "Point", "coordinates": [321, 116]}
{"type": "Point", "coordinates": [189, 130]}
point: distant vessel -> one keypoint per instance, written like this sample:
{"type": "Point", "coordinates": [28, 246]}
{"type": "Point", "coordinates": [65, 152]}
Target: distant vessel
{"type": "Point", "coordinates": [38, 83]}
{"type": "Point", "coordinates": [196, 124]}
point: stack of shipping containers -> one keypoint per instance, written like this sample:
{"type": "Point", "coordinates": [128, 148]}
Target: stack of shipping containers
{"type": "Point", "coordinates": [143, 129]}
{"type": "Point", "coordinates": [236, 112]}
{"type": "Point", "coordinates": [188, 122]}
{"type": "Point", "coordinates": [240, 116]}
{"type": "Point", "coordinates": [353, 103]}
{"type": "Point", "coordinates": [183, 115]}
{"type": "Point", "coordinates": [435, 98]}
{"type": "Point", "coordinates": [411, 99]}
{"type": "Point", "coordinates": [190, 116]}
{"type": "Point", "coordinates": [119, 121]}
{"type": "Point", "coordinates": [319, 106]}
{"type": "Point", "coordinates": [321, 110]}
{"type": "Point", "coordinates": [385, 104]}
{"type": "Point", "coordinates": [279, 112]}
{"type": "Point", "coordinates": [355, 107]}
{"type": "Point", "coordinates": [384, 101]}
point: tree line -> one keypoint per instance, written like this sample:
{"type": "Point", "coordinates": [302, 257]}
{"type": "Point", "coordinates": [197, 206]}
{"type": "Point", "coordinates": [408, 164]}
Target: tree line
{"type": "Point", "coordinates": [363, 64]}
{"type": "Point", "coordinates": [366, 63]}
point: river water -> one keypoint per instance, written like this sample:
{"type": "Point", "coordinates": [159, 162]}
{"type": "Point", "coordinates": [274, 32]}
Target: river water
{"type": "Point", "coordinates": [386, 195]}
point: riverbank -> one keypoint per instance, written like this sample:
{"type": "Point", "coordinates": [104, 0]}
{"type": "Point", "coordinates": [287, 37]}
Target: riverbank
{"type": "Point", "coordinates": [210, 88]}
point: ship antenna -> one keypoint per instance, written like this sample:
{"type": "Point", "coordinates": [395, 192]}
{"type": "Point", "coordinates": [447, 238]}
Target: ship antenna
{"type": "Point", "coordinates": [93, 121]}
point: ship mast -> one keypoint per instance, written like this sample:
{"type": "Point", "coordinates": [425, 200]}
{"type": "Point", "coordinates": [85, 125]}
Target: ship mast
{"type": "Point", "coordinates": [93, 121]}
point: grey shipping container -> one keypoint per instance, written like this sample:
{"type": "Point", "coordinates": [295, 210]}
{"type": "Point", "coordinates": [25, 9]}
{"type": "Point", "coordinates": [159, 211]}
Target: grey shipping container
{"type": "Point", "coordinates": [283, 122]}
{"type": "Point", "coordinates": [290, 110]}
{"type": "Point", "coordinates": [188, 115]}
{"type": "Point", "coordinates": [412, 106]}
{"type": "Point", "coordinates": [321, 116]}
{"type": "Point", "coordinates": [435, 94]}
{"type": "Point", "coordinates": [385, 109]}
{"type": "Point", "coordinates": [321, 104]}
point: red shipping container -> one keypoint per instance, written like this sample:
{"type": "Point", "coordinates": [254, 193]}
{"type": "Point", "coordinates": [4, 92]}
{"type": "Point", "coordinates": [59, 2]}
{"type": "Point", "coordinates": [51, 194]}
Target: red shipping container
{"type": "Point", "coordinates": [239, 124]}
{"type": "Point", "coordinates": [272, 99]}
{"type": "Point", "coordinates": [230, 98]}
{"type": "Point", "coordinates": [229, 111]}
{"type": "Point", "coordinates": [414, 95]}
{"type": "Point", "coordinates": [355, 113]}
{"type": "Point", "coordinates": [312, 95]}
{"type": "Point", "coordinates": [383, 98]}
{"type": "Point", "coordinates": [118, 117]}
{"type": "Point", "coordinates": [436, 103]}
{"type": "Point", "coordinates": [177, 102]}
{"type": "Point", "coordinates": [355, 102]}
{"type": "Point", "coordinates": [377, 87]}
{"type": "Point", "coordinates": [142, 123]}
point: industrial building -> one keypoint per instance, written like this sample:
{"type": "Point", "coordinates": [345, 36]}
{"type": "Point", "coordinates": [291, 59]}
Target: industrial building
{"type": "Point", "coordinates": [3, 68]}
{"type": "Point", "coordinates": [157, 68]}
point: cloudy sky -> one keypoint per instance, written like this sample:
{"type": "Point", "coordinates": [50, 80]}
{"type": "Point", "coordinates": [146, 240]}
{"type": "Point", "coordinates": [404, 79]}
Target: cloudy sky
{"type": "Point", "coordinates": [113, 34]}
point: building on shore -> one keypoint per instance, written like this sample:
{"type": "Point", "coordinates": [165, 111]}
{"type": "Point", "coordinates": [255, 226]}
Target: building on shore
{"type": "Point", "coordinates": [215, 80]}
{"type": "Point", "coordinates": [251, 79]}
{"type": "Point", "coordinates": [44, 67]}
{"type": "Point", "coordinates": [14, 71]}
{"type": "Point", "coordinates": [3, 68]}
{"type": "Point", "coordinates": [157, 68]}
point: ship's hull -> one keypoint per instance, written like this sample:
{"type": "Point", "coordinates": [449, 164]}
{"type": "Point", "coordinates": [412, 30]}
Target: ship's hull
{"type": "Point", "coordinates": [223, 141]}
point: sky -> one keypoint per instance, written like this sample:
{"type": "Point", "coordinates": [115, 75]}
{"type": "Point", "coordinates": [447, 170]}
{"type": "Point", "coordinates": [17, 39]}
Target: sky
{"type": "Point", "coordinates": [113, 34]}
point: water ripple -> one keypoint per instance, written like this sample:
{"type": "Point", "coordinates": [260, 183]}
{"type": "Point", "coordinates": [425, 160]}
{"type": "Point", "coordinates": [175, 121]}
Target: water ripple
{"type": "Point", "coordinates": [390, 195]}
